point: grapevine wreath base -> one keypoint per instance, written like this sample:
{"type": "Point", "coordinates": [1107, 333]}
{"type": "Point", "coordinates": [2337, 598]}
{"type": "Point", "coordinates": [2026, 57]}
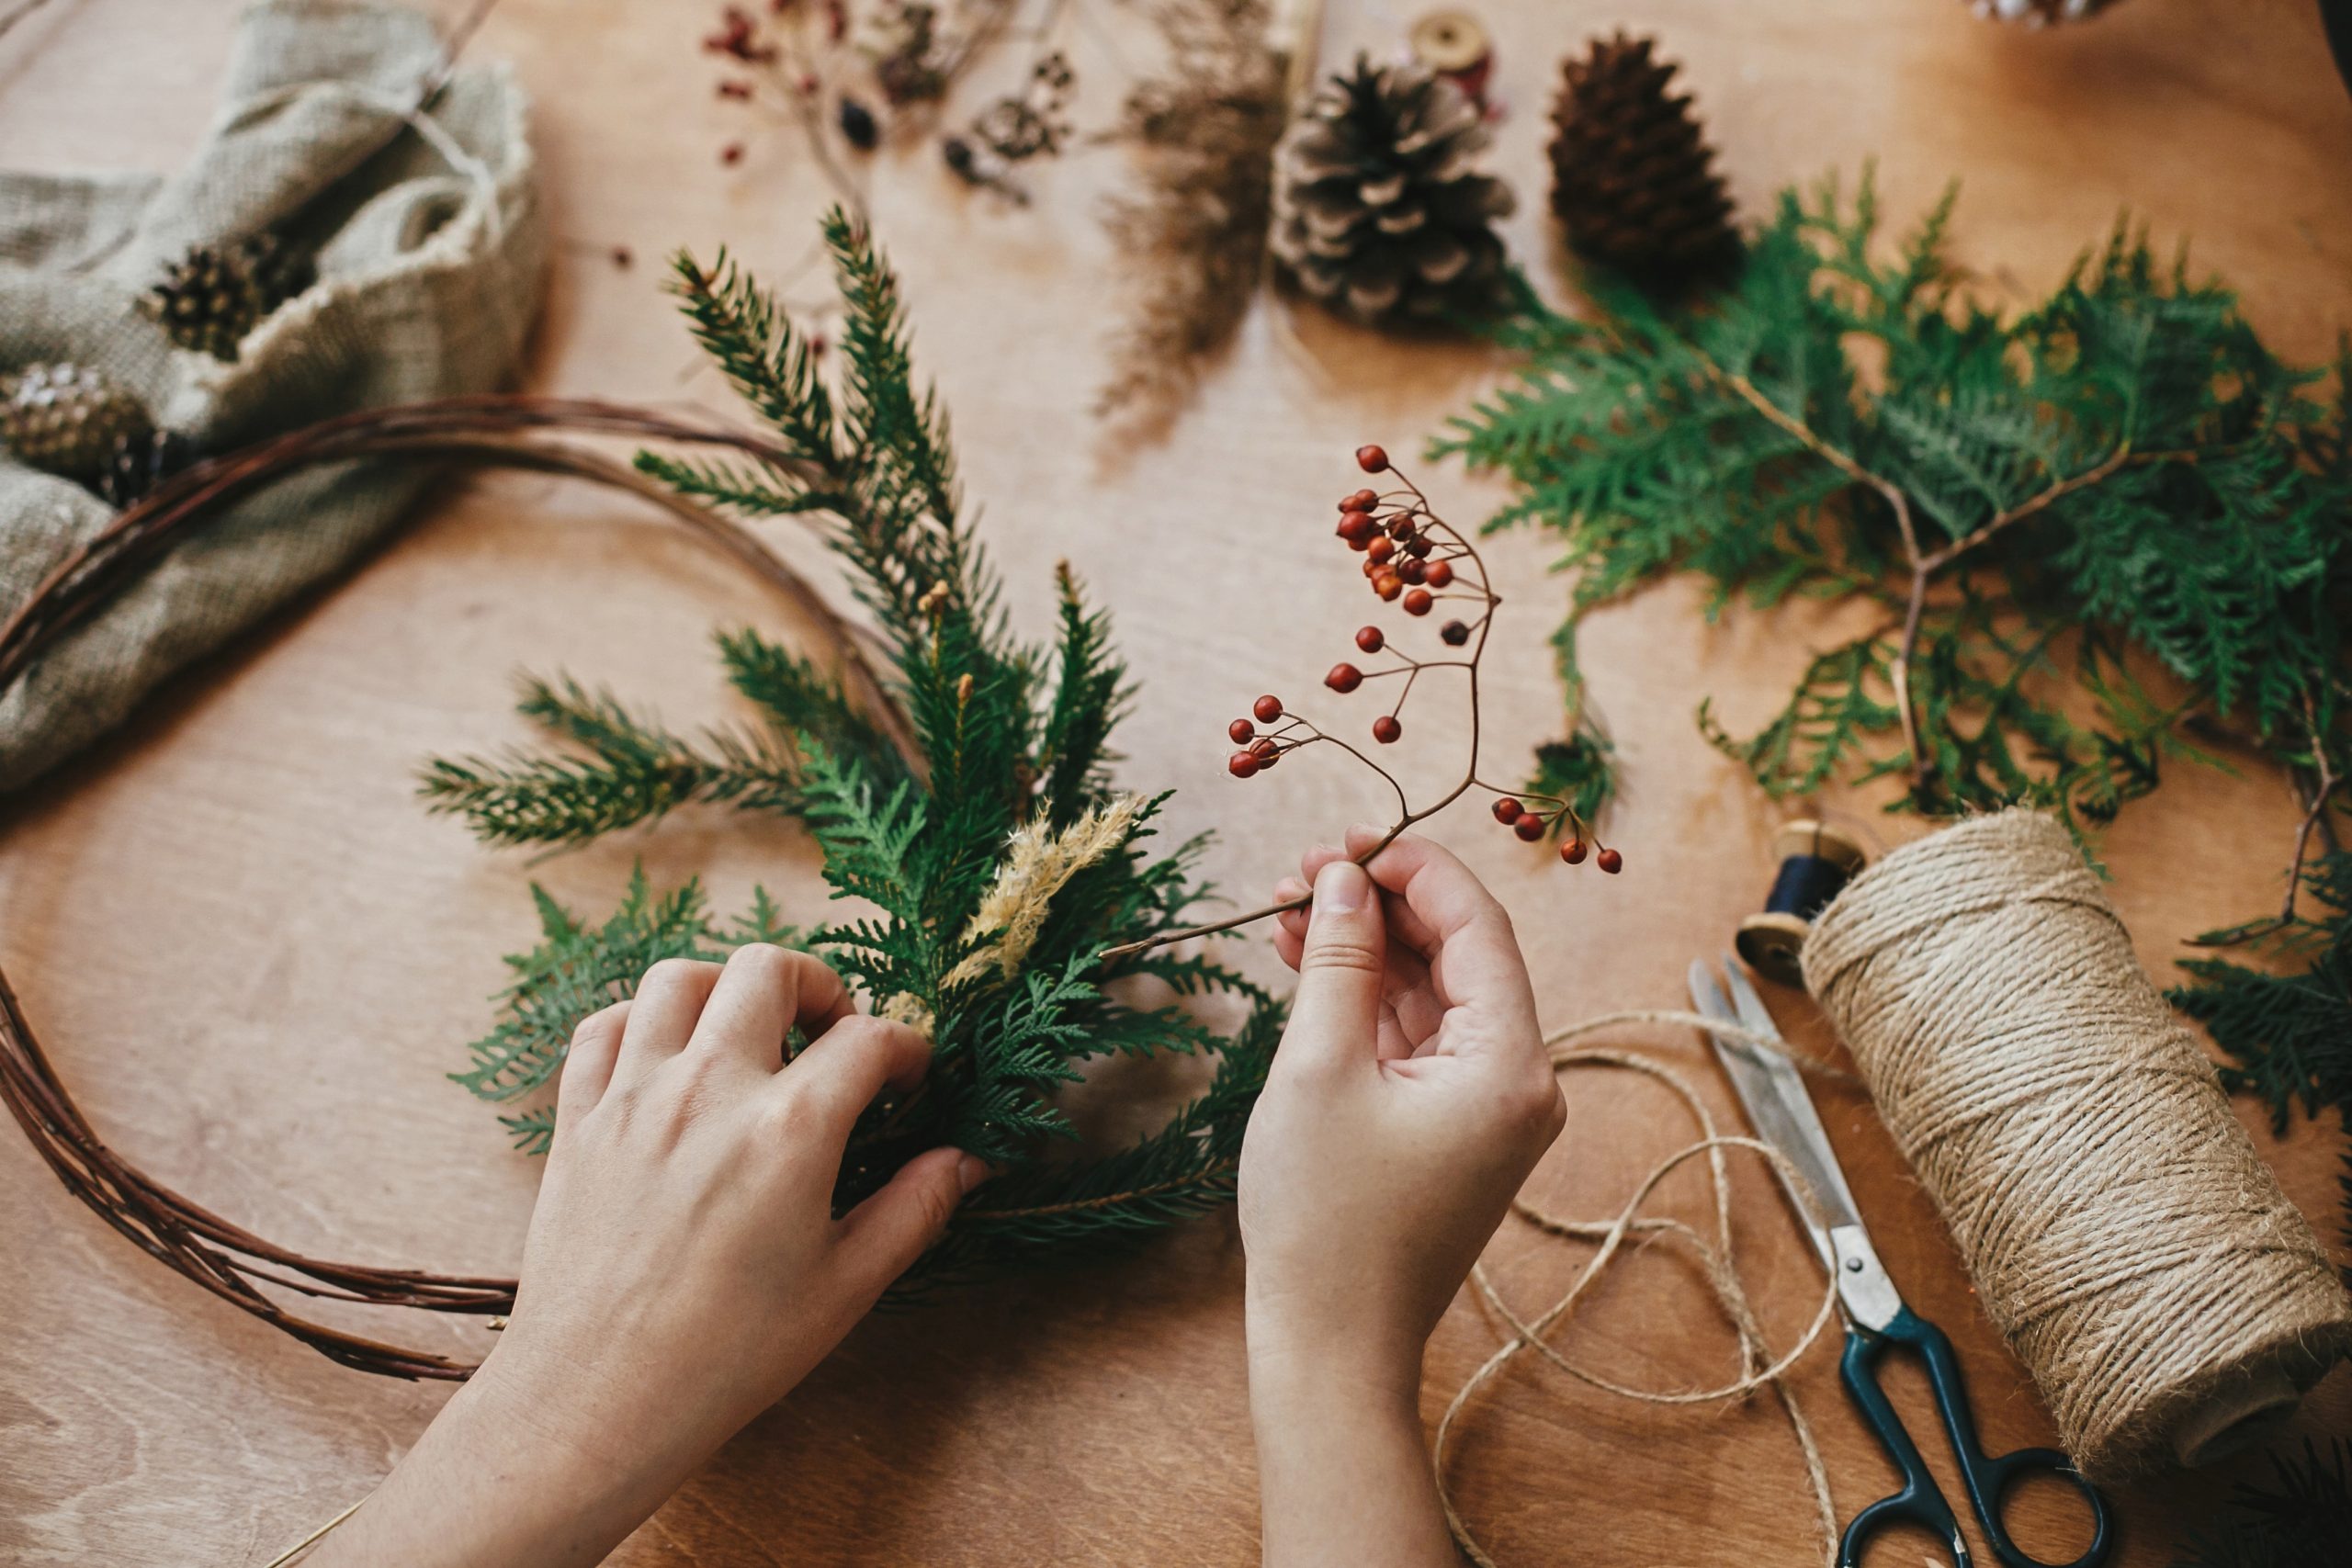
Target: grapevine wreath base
{"type": "Point", "coordinates": [225, 1258]}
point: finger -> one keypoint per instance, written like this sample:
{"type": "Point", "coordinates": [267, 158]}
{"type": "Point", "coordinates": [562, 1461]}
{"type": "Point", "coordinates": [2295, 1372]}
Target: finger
{"type": "Point", "coordinates": [837, 1077]}
{"type": "Point", "coordinates": [588, 1063]}
{"type": "Point", "coordinates": [763, 991]}
{"type": "Point", "coordinates": [1414, 1009]}
{"type": "Point", "coordinates": [1292, 890]}
{"type": "Point", "coordinates": [661, 1017]}
{"type": "Point", "coordinates": [1405, 928]}
{"type": "Point", "coordinates": [1340, 969]}
{"type": "Point", "coordinates": [882, 1236]}
{"type": "Point", "coordinates": [1473, 954]}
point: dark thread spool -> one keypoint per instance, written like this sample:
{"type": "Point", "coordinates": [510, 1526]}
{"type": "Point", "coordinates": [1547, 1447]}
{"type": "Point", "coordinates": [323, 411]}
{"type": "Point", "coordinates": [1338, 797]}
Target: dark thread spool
{"type": "Point", "coordinates": [1817, 861]}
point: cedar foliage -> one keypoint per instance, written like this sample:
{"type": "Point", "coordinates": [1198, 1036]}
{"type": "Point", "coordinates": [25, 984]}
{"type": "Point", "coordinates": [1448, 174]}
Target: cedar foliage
{"type": "Point", "coordinates": [2286, 1024]}
{"type": "Point", "coordinates": [2301, 1518]}
{"type": "Point", "coordinates": [2119, 520]}
{"type": "Point", "coordinates": [1010, 734]}
{"type": "Point", "coordinates": [2122, 475]}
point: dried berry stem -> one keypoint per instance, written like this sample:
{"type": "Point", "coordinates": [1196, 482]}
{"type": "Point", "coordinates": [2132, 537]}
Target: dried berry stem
{"type": "Point", "coordinates": [1402, 538]}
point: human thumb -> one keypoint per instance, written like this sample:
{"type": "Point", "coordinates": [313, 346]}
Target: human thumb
{"type": "Point", "coordinates": [890, 1230]}
{"type": "Point", "coordinates": [1341, 966]}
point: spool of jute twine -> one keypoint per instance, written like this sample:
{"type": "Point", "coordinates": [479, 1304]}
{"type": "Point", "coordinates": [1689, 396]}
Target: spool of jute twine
{"type": "Point", "coordinates": [2122, 1234]}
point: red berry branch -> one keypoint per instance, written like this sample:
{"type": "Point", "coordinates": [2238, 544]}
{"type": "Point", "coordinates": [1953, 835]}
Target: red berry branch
{"type": "Point", "coordinates": [1412, 559]}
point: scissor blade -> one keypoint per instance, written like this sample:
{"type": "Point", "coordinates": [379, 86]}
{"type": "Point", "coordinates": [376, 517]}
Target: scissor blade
{"type": "Point", "coordinates": [1778, 1107]}
{"type": "Point", "coordinates": [1796, 1128]}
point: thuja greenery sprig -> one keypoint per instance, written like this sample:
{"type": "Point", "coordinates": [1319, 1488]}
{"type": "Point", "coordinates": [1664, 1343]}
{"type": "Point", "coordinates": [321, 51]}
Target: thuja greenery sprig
{"type": "Point", "coordinates": [1414, 559]}
{"type": "Point", "coordinates": [1009, 883]}
{"type": "Point", "coordinates": [2107, 531]}
{"type": "Point", "coordinates": [2287, 1024]}
{"type": "Point", "coordinates": [2102, 532]}
{"type": "Point", "coordinates": [2301, 1516]}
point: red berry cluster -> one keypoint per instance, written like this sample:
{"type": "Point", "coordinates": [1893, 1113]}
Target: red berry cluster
{"type": "Point", "coordinates": [1531, 817]}
{"type": "Point", "coordinates": [1412, 559]}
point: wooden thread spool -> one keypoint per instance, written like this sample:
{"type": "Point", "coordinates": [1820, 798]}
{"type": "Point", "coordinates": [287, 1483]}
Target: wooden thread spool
{"type": "Point", "coordinates": [1816, 862]}
{"type": "Point", "coordinates": [1454, 45]}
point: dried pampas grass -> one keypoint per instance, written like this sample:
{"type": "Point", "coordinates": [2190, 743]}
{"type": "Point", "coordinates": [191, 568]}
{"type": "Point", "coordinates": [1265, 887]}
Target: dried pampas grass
{"type": "Point", "coordinates": [1205, 131]}
{"type": "Point", "coordinates": [1038, 864]}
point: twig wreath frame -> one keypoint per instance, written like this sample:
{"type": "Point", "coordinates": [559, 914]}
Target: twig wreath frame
{"type": "Point", "coordinates": [224, 1258]}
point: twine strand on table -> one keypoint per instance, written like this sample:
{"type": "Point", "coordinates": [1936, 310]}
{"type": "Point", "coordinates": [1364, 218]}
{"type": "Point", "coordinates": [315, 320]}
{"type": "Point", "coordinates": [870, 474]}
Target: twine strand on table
{"type": "Point", "coordinates": [2122, 1232]}
{"type": "Point", "coordinates": [1758, 1370]}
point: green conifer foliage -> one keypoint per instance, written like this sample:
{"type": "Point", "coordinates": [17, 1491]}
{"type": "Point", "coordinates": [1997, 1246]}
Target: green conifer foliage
{"type": "Point", "coordinates": [2122, 519]}
{"type": "Point", "coordinates": [1007, 736]}
{"type": "Point", "coordinates": [2109, 531]}
{"type": "Point", "coordinates": [2300, 1518]}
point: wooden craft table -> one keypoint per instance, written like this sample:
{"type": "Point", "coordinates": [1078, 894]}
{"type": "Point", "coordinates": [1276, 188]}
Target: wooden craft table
{"type": "Point", "coordinates": [254, 957]}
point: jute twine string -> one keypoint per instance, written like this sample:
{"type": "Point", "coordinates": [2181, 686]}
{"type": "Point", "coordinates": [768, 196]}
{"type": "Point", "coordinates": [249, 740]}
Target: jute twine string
{"type": "Point", "coordinates": [2121, 1230]}
{"type": "Point", "coordinates": [1758, 1368]}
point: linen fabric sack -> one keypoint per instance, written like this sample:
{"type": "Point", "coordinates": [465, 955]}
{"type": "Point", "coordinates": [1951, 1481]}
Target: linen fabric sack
{"type": "Point", "coordinates": [340, 128]}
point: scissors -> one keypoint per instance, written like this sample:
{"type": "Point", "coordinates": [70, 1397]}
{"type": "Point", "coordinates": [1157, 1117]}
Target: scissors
{"type": "Point", "coordinates": [1781, 1111]}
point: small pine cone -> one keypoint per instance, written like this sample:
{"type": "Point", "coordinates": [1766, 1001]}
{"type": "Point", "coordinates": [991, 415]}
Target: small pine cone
{"type": "Point", "coordinates": [213, 296]}
{"type": "Point", "coordinates": [1633, 177]}
{"type": "Point", "coordinates": [1378, 212]}
{"type": "Point", "coordinates": [140, 461]}
{"type": "Point", "coordinates": [2038, 13]}
{"type": "Point", "coordinates": [67, 420]}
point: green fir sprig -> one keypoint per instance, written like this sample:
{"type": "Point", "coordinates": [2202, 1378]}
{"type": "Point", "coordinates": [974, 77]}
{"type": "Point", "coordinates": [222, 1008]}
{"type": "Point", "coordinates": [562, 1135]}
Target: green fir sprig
{"type": "Point", "coordinates": [996, 861]}
{"type": "Point", "coordinates": [2286, 1024]}
{"type": "Point", "coordinates": [2079, 541]}
{"type": "Point", "coordinates": [2096, 535]}
{"type": "Point", "coordinates": [2301, 1518]}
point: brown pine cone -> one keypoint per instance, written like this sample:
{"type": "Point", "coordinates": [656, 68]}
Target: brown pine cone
{"type": "Point", "coordinates": [213, 296]}
{"type": "Point", "coordinates": [1379, 210]}
{"type": "Point", "coordinates": [68, 420]}
{"type": "Point", "coordinates": [1633, 177]}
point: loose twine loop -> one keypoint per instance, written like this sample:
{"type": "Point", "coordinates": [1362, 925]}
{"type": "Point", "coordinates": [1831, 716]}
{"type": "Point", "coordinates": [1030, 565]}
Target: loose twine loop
{"type": "Point", "coordinates": [2121, 1230]}
{"type": "Point", "coordinates": [1758, 1367]}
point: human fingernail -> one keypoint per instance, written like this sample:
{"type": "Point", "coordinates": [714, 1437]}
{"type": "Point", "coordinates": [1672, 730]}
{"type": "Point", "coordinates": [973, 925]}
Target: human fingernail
{"type": "Point", "coordinates": [971, 1170]}
{"type": "Point", "coordinates": [1339, 888]}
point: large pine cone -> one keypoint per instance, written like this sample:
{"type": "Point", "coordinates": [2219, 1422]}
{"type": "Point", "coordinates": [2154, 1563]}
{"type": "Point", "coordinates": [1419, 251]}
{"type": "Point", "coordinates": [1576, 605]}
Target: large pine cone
{"type": "Point", "coordinates": [1377, 211]}
{"type": "Point", "coordinates": [68, 420]}
{"type": "Point", "coordinates": [1633, 177]}
{"type": "Point", "coordinates": [213, 296]}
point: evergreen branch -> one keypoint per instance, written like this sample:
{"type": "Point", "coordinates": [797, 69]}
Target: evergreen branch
{"type": "Point", "coordinates": [2301, 1520]}
{"type": "Point", "coordinates": [968, 803]}
{"type": "Point", "coordinates": [2124, 464]}
{"type": "Point", "coordinates": [633, 771]}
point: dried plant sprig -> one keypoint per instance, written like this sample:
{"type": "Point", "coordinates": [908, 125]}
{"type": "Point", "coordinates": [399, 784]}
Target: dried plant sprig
{"type": "Point", "coordinates": [1038, 864]}
{"type": "Point", "coordinates": [1205, 131]}
{"type": "Point", "coordinates": [1414, 559]}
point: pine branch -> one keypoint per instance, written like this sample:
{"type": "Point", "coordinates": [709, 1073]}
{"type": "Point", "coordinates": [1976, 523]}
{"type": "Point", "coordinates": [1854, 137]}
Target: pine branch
{"type": "Point", "coordinates": [578, 969]}
{"type": "Point", "coordinates": [2289, 1035]}
{"type": "Point", "coordinates": [625, 770]}
{"type": "Point", "coordinates": [1008, 744]}
{"type": "Point", "coordinates": [2301, 1520]}
{"type": "Point", "coordinates": [1090, 695]}
{"type": "Point", "coordinates": [2125, 468]}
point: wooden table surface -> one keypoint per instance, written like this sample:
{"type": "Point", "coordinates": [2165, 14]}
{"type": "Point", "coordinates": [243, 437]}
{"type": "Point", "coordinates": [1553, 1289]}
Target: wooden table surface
{"type": "Point", "coordinates": [254, 957]}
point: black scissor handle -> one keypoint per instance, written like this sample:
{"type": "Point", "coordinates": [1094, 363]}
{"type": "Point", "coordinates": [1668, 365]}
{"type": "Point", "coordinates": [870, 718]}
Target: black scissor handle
{"type": "Point", "coordinates": [1919, 1501]}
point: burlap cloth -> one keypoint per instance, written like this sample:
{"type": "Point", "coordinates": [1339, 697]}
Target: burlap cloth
{"type": "Point", "coordinates": [431, 251]}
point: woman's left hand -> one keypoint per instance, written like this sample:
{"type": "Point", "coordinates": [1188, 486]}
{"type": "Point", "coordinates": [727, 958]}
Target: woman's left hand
{"type": "Point", "coordinates": [684, 1269]}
